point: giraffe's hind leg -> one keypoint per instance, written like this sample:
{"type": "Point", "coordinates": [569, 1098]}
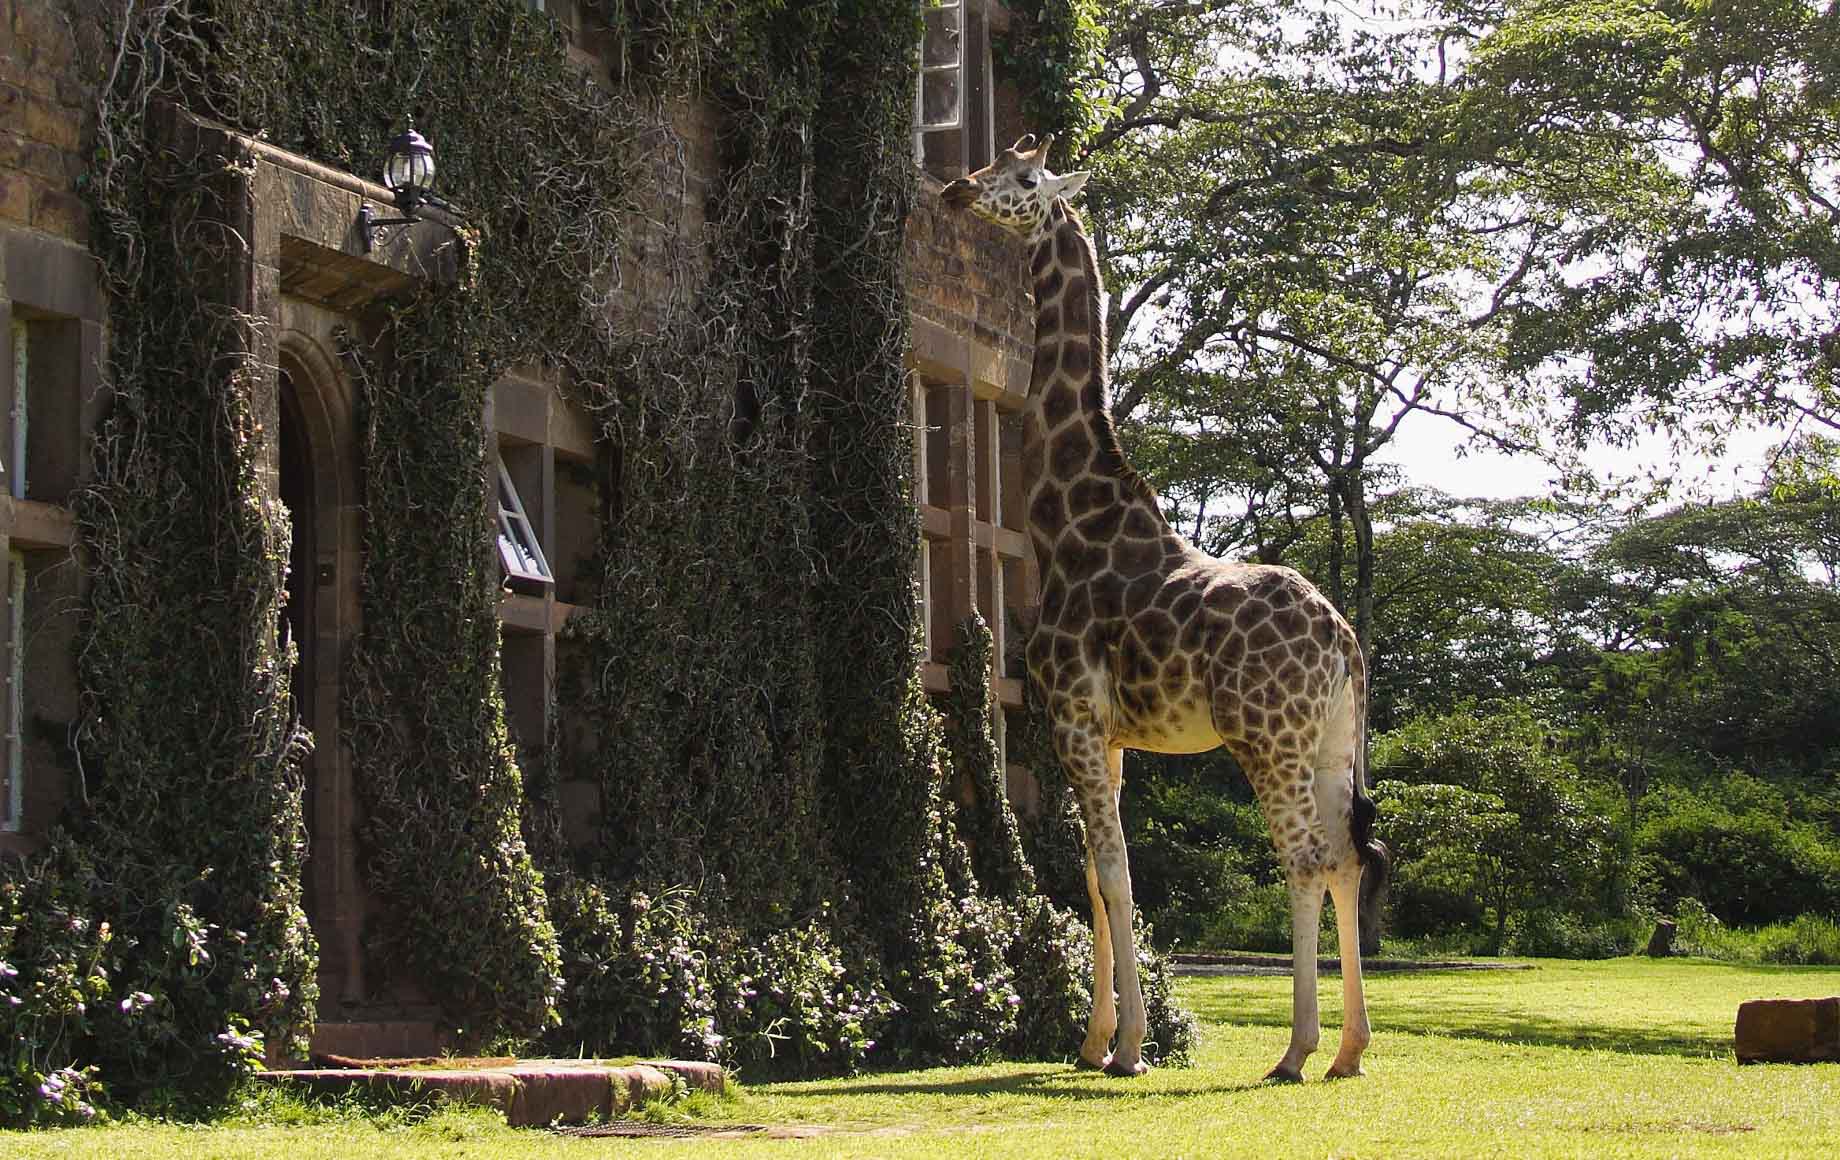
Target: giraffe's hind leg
{"type": "Point", "coordinates": [1335, 773]}
{"type": "Point", "coordinates": [1345, 889]}
{"type": "Point", "coordinates": [1283, 784]}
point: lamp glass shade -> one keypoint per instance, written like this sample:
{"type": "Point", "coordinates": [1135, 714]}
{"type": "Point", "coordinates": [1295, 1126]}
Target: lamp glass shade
{"type": "Point", "coordinates": [409, 168]}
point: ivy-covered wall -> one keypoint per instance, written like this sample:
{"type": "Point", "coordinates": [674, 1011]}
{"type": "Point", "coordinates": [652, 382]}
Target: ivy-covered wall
{"type": "Point", "coordinates": [778, 878]}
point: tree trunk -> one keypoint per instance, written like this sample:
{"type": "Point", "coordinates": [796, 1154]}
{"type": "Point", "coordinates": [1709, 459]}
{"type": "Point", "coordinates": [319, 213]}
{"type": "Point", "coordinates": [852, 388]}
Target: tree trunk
{"type": "Point", "coordinates": [1335, 543]}
{"type": "Point", "coordinates": [1363, 525]}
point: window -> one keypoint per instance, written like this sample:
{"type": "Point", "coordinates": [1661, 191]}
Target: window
{"type": "Point", "coordinates": [952, 108]}
{"type": "Point", "coordinates": [16, 458]}
{"type": "Point", "coordinates": [13, 788]}
{"type": "Point", "coordinates": [939, 103]}
{"type": "Point", "coordinates": [518, 549]}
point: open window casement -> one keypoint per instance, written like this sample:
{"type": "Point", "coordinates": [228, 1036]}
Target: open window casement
{"type": "Point", "coordinates": [518, 549]}
{"type": "Point", "coordinates": [939, 101]}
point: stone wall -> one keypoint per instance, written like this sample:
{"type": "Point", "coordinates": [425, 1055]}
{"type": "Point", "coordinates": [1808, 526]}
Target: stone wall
{"type": "Point", "coordinates": [51, 346]}
{"type": "Point", "coordinates": [45, 105]}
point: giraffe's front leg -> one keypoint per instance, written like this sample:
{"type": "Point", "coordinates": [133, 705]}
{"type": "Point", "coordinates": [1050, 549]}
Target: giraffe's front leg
{"type": "Point", "coordinates": [1096, 1051]}
{"type": "Point", "coordinates": [1345, 888]}
{"type": "Point", "coordinates": [1112, 868]}
{"type": "Point", "coordinates": [1115, 883]}
{"type": "Point", "coordinates": [1094, 770]}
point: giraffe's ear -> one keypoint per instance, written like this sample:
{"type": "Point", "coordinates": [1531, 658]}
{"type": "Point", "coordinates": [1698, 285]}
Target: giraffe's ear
{"type": "Point", "coordinates": [1072, 183]}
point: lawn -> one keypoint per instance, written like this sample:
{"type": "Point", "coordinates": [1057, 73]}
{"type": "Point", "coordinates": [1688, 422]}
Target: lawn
{"type": "Point", "coordinates": [1624, 1058]}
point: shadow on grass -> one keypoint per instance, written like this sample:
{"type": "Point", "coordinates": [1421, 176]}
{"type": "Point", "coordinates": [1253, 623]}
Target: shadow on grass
{"type": "Point", "coordinates": [1059, 1080]}
{"type": "Point", "coordinates": [1491, 1019]}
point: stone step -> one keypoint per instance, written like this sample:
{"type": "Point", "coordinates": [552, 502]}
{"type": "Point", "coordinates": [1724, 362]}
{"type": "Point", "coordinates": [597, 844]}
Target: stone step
{"type": "Point", "coordinates": [376, 1038]}
{"type": "Point", "coordinates": [530, 1092]}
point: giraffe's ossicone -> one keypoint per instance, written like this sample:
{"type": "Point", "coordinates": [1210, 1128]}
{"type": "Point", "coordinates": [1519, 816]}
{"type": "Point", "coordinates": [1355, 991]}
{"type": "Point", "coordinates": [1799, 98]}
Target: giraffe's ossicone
{"type": "Point", "coordinates": [1145, 642]}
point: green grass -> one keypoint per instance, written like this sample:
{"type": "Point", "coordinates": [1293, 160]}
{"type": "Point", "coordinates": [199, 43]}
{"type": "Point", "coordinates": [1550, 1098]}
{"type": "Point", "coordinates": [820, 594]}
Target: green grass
{"type": "Point", "coordinates": [1622, 1058]}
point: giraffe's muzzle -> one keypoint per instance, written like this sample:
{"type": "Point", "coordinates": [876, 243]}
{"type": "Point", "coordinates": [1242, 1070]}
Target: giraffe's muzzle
{"type": "Point", "coordinates": [961, 194]}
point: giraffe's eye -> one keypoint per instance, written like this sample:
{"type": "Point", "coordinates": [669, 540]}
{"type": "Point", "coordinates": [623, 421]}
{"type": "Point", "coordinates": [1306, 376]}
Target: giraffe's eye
{"type": "Point", "coordinates": [1029, 180]}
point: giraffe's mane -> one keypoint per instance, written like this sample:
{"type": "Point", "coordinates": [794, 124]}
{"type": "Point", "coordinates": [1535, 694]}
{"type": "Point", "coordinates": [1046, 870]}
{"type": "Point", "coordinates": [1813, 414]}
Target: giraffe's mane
{"type": "Point", "coordinates": [1111, 460]}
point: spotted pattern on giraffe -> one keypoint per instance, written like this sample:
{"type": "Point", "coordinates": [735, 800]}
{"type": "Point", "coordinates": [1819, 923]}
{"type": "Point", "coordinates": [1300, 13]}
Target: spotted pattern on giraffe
{"type": "Point", "coordinates": [1144, 642]}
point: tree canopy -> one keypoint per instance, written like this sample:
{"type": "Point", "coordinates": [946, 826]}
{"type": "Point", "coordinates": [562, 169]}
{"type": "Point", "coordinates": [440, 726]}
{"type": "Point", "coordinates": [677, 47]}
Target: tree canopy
{"type": "Point", "coordinates": [1545, 222]}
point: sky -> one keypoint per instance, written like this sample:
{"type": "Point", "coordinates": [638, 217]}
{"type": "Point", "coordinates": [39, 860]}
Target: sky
{"type": "Point", "coordinates": [1427, 448]}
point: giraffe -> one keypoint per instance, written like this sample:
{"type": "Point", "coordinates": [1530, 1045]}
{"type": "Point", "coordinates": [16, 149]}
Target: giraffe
{"type": "Point", "coordinates": [1145, 642]}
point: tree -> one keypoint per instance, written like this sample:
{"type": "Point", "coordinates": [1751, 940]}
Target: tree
{"type": "Point", "coordinates": [1713, 295]}
{"type": "Point", "coordinates": [1719, 626]}
{"type": "Point", "coordinates": [1522, 814]}
{"type": "Point", "coordinates": [1463, 602]}
{"type": "Point", "coordinates": [1318, 229]}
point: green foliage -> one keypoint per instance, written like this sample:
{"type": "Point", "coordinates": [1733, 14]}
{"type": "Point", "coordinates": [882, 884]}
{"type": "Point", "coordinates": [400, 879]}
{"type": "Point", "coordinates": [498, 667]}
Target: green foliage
{"type": "Point", "coordinates": [193, 818]}
{"type": "Point", "coordinates": [1747, 862]}
{"type": "Point", "coordinates": [436, 772]}
{"type": "Point", "coordinates": [1480, 797]}
{"type": "Point", "coordinates": [988, 824]}
{"type": "Point", "coordinates": [1052, 52]}
{"type": "Point", "coordinates": [1553, 932]}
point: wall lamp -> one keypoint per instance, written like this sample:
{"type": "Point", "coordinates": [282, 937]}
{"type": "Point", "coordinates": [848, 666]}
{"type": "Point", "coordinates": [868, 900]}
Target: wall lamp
{"type": "Point", "coordinates": [408, 172]}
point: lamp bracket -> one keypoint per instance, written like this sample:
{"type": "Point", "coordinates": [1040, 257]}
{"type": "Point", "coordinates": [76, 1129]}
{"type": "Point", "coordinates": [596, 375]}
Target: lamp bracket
{"type": "Point", "coordinates": [371, 228]}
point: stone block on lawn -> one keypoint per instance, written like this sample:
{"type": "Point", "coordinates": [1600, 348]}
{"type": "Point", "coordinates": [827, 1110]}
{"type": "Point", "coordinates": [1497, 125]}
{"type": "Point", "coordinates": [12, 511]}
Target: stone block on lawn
{"type": "Point", "coordinates": [562, 1095]}
{"type": "Point", "coordinates": [1789, 1031]}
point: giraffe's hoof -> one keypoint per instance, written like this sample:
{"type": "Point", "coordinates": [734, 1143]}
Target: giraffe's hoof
{"type": "Point", "coordinates": [1084, 1064]}
{"type": "Point", "coordinates": [1126, 1071]}
{"type": "Point", "coordinates": [1340, 1072]}
{"type": "Point", "coordinates": [1281, 1074]}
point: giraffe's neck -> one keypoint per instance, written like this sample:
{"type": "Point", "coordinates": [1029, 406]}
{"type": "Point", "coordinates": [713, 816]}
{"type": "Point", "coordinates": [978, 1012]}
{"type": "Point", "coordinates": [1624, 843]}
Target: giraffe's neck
{"type": "Point", "coordinates": [1081, 488]}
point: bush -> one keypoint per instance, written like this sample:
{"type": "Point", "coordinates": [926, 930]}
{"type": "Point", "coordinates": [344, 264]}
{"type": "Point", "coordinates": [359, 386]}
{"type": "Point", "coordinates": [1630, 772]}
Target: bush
{"type": "Point", "coordinates": [58, 966]}
{"type": "Point", "coordinates": [793, 1005]}
{"type": "Point", "coordinates": [1050, 951]}
{"type": "Point", "coordinates": [653, 974]}
{"type": "Point", "coordinates": [1747, 866]}
{"type": "Point", "coordinates": [1479, 803]}
{"type": "Point", "coordinates": [1557, 934]}
{"type": "Point", "coordinates": [1807, 939]}
{"type": "Point", "coordinates": [1171, 1032]}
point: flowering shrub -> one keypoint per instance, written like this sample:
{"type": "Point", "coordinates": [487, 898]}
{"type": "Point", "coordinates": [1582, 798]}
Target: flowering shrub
{"type": "Point", "coordinates": [792, 1004]}
{"type": "Point", "coordinates": [54, 988]}
{"type": "Point", "coordinates": [635, 974]}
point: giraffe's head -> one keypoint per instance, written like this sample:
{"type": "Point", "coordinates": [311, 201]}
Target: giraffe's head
{"type": "Point", "coordinates": [1016, 190]}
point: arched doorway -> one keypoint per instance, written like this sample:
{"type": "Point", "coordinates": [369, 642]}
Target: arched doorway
{"type": "Point", "coordinates": [316, 479]}
{"type": "Point", "coordinates": [295, 470]}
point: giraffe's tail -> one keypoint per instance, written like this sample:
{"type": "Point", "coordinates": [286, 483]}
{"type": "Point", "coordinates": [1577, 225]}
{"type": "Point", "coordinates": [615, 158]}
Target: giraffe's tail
{"type": "Point", "coordinates": [1376, 860]}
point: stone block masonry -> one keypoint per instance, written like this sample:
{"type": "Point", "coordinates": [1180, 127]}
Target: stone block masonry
{"type": "Point", "coordinates": [45, 105]}
{"type": "Point", "coordinates": [1789, 1031]}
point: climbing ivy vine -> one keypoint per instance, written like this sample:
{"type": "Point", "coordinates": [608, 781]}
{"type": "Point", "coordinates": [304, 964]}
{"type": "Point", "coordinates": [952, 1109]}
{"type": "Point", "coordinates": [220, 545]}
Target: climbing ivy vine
{"type": "Point", "coordinates": [776, 875]}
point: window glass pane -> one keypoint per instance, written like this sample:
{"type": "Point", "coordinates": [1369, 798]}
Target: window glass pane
{"type": "Point", "coordinates": [939, 100]}
{"type": "Point", "coordinates": [518, 549]}
{"type": "Point", "coordinates": [942, 37]}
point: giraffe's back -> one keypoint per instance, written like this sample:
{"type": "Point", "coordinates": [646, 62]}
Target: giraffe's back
{"type": "Point", "coordinates": [1187, 652]}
